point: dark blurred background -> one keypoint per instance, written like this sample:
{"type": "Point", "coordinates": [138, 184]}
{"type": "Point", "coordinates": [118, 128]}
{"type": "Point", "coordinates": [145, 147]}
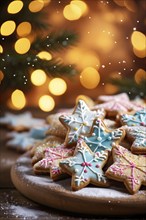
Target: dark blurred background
{"type": "Point", "coordinates": [99, 41]}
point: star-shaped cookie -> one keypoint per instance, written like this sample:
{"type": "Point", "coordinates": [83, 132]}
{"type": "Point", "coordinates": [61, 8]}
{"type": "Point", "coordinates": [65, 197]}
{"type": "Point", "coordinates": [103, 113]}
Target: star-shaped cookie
{"type": "Point", "coordinates": [101, 138]}
{"type": "Point", "coordinates": [25, 140]}
{"type": "Point", "coordinates": [115, 107]}
{"type": "Point", "coordinates": [118, 97]}
{"type": "Point", "coordinates": [137, 118]}
{"type": "Point", "coordinates": [85, 167]}
{"type": "Point", "coordinates": [138, 135]}
{"type": "Point", "coordinates": [80, 121]}
{"type": "Point", "coordinates": [128, 168]}
{"type": "Point", "coordinates": [37, 152]}
{"type": "Point", "coordinates": [21, 122]}
{"type": "Point", "coordinates": [51, 159]}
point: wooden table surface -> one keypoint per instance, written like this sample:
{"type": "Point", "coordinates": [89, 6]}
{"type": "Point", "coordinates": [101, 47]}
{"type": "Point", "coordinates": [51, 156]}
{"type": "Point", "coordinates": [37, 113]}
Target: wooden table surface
{"type": "Point", "coordinates": [13, 205]}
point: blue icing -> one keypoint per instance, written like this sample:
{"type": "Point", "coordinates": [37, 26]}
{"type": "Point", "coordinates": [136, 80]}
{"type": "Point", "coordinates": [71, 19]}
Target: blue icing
{"type": "Point", "coordinates": [138, 119]}
{"type": "Point", "coordinates": [86, 166]}
{"type": "Point", "coordinates": [38, 132]}
{"type": "Point", "coordinates": [100, 139]}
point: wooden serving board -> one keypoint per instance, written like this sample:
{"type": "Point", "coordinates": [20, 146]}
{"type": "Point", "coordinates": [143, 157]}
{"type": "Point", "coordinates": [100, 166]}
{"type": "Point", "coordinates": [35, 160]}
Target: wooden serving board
{"type": "Point", "coordinates": [90, 200]}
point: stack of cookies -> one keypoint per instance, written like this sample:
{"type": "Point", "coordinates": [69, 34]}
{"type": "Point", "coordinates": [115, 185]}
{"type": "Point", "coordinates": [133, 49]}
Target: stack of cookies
{"type": "Point", "coordinates": [96, 145]}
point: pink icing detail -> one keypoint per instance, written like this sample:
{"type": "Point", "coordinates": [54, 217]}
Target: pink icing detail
{"type": "Point", "coordinates": [97, 166]}
{"type": "Point", "coordinates": [56, 171]}
{"type": "Point", "coordinates": [86, 164]}
{"type": "Point", "coordinates": [85, 171]}
{"type": "Point", "coordinates": [83, 164]}
{"type": "Point", "coordinates": [116, 169]}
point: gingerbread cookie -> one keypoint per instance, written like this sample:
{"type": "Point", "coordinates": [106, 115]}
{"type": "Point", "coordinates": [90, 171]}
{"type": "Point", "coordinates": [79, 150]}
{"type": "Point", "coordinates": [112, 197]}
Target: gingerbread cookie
{"type": "Point", "coordinates": [21, 122]}
{"type": "Point", "coordinates": [137, 118]}
{"type": "Point", "coordinates": [111, 124]}
{"type": "Point", "coordinates": [101, 138]}
{"type": "Point", "coordinates": [106, 98]}
{"type": "Point", "coordinates": [25, 140]}
{"type": "Point", "coordinates": [51, 159]}
{"type": "Point", "coordinates": [37, 151]}
{"type": "Point", "coordinates": [85, 167]}
{"type": "Point", "coordinates": [115, 107]}
{"type": "Point", "coordinates": [128, 168]}
{"type": "Point", "coordinates": [79, 122]}
{"type": "Point", "coordinates": [137, 134]}
{"type": "Point", "coordinates": [53, 119]}
{"type": "Point", "coordinates": [57, 130]}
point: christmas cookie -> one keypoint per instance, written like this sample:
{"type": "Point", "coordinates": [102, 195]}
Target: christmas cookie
{"type": "Point", "coordinates": [128, 168]}
{"type": "Point", "coordinates": [101, 138]}
{"type": "Point", "coordinates": [137, 134]}
{"type": "Point", "coordinates": [79, 122]}
{"type": "Point", "coordinates": [53, 119]}
{"type": "Point", "coordinates": [115, 107]}
{"type": "Point", "coordinates": [25, 140]}
{"type": "Point", "coordinates": [111, 124]}
{"type": "Point", "coordinates": [137, 118]}
{"type": "Point", "coordinates": [106, 98]}
{"type": "Point", "coordinates": [38, 150]}
{"type": "Point", "coordinates": [51, 159]}
{"type": "Point", "coordinates": [85, 167]}
{"type": "Point", "coordinates": [57, 130]}
{"type": "Point", "coordinates": [21, 122]}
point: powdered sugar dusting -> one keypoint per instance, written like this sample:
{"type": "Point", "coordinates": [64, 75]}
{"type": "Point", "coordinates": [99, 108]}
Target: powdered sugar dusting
{"type": "Point", "coordinates": [25, 212]}
{"type": "Point", "coordinates": [24, 169]}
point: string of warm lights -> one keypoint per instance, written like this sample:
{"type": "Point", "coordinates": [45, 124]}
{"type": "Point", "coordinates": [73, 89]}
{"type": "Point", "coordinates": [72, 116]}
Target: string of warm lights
{"type": "Point", "coordinates": [88, 61]}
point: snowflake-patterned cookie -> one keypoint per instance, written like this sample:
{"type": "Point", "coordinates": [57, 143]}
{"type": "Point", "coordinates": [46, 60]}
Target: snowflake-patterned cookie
{"type": "Point", "coordinates": [85, 167]}
{"type": "Point", "coordinates": [138, 136]}
{"type": "Point", "coordinates": [101, 138]}
{"type": "Point", "coordinates": [51, 159]}
{"type": "Point", "coordinates": [118, 97]}
{"type": "Point", "coordinates": [137, 118]}
{"type": "Point", "coordinates": [37, 152]}
{"type": "Point", "coordinates": [128, 168]}
{"type": "Point", "coordinates": [25, 140]}
{"type": "Point", "coordinates": [21, 122]}
{"type": "Point", "coordinates": [80, 121]}
{"type": "Point", "coordinates": [115, 107]}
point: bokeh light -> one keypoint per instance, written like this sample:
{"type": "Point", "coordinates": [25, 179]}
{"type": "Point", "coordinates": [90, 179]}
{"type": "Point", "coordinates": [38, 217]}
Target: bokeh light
{"type": "Point", "coordinates": [14, 7]}
{"type": "Point", "coordinates": [24, 29]}
{"type": "Point", "coordinates": [82, 5]}
{"type": "Point", "coordinates": [44, 55]}
{"type": "Point", "coordinates": [46, 103]}
{"type": "Point", "coordinates": [1, 49]}
{"type": "Point", "coordinates": [140, 75]}
{"type": "Point", "coordinates": [7, 28]}
{"type": "Point", "coordinates": [139, 53]}
{"type": "Point", "coordinates": [82, 58]}
{"type": "Point", "coordinates": [110, 89]}
{"type": "Point", "coordinates": [138, 40]}
{"type": "Point", "coordinates": [38, 77]}
{"type": "Point", "coordinates": [89, 78]}
{"type": "Point", "coordinates": [36, 6]}
{"type": "Point", "coordinates": [18, 99]}
{"type": "Point", "coordinates": [72, 12]}
{"type": "Point", "coordinates": [1, 76]}
{"type": "Point", "coordinates": [22, 45]}
{"type": "Point", "coordinates": [86, 99]}
{"type": "Point", "coordinates": [57, 86]}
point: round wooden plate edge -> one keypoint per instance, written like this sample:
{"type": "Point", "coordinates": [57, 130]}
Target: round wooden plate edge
{"type": "Point", "coordinates": [78, 204]}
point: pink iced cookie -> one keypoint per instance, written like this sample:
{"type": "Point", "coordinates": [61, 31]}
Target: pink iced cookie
{"type": "Point", "coordinates": [113, 107]}
{"type": "Point", "coordinates": [118, 97]}
{"type": "Point", "coordinates": [50, 162]}
{"type": "Point", "coordinates": [128, 168]}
